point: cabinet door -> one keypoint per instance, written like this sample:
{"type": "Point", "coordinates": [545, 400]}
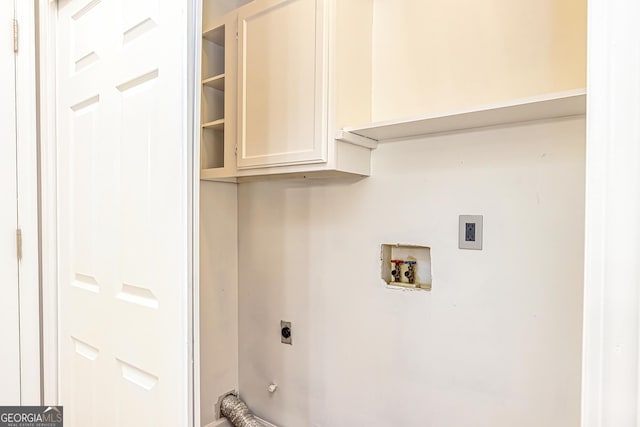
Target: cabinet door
{"type": "Point", "coordinates": [282, 83]}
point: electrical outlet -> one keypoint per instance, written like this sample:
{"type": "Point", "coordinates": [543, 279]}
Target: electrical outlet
{"type": "Point", "coordinates": [470, 232]}
{"type": "Point", "coordinates": [285, 332]}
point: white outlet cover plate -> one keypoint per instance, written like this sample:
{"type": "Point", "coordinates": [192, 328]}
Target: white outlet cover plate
{"type": "Point", "coordinates": [476, 243]}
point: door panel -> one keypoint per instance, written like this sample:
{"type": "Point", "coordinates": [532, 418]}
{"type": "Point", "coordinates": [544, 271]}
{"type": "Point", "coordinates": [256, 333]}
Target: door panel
{"type": "Point", "coordinates": [123, 212]}
{"type": "Point", "coordinates": [281, 72]}
{"type": "Point", "coordinates": [9, 314]}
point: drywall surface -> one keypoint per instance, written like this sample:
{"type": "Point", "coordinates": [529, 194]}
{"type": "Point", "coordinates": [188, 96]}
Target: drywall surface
{"type": "Point", "coordinates": [213, 10]}
{"type": "Point", "coordinates": [496, 343]}
{"type": "Point", "coordinates": [431, 56]}
{"type": "Point", "coordinates": [218, 294]}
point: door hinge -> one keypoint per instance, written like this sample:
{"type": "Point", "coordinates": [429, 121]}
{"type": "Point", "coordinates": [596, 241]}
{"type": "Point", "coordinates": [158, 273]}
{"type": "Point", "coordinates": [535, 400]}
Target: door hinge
{"type": "Point", "coordinates": [235, 150]}
{"type": "Point", "coordinates": [19, 243]}
{"type": "Point", "coordinates": [15, 35]}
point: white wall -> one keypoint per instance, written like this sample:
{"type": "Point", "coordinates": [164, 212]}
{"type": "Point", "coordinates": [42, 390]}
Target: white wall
{"type": "Point", "coordinates": [218, 294]}
{"type": "Point", "coordinates": [497, 343]}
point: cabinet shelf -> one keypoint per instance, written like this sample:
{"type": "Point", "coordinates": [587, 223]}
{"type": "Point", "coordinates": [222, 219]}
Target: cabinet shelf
{"type": "Point", "coordinates": [215, 35]}
{"type": "Point", "coordinates": [214, 125]}
{"type": "Point", "coordinates": [217, 174]}
{"type": "Point", "coordinates": [549, 106]}
{"type": "Point", "coordinates": [216, 82]}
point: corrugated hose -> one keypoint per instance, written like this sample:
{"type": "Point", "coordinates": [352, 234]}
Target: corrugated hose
{"type": "Point", "coordinates": [236, 411]}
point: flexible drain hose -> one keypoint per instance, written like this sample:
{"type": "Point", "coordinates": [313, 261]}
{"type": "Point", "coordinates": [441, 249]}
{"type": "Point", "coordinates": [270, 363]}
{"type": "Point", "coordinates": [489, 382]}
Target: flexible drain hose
{"type": "Point", "coordinates": [237, 412]}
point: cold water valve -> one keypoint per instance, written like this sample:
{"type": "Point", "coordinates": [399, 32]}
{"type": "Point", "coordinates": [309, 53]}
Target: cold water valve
{"type": "Point", "coordinates": [410, 274]}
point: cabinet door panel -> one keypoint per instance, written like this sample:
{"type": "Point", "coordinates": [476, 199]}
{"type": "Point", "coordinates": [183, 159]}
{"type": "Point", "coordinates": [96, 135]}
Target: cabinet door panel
{"type": "Point", "coordinates": [282, 83]}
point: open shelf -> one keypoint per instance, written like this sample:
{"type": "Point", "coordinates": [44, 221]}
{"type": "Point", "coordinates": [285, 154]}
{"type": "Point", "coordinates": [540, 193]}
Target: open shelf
{"type": "Point", "coordinates": [215, 35]}
{"type": "Point", "coordinates": [212, 149]}
{"type": "Point", "coordinates": [214, 125]}
{"type": "Point", "coordinates": [212, 104]}
{"type": "Point", "coordinates": [216, 82]}
{"type": "Point", "coordinates": [214, 157]}
{"type": "Point", "coordinates": [550, 106]}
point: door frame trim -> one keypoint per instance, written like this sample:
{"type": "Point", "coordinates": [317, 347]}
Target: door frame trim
{"type": "Point", "coordinates": [46, 59]}
{"type": "Point", "coordinates": [27, 164]}
{"type": "Point", "coordinates": [611, 343]}
{"type": "Point", "coordinates": [193, 124]}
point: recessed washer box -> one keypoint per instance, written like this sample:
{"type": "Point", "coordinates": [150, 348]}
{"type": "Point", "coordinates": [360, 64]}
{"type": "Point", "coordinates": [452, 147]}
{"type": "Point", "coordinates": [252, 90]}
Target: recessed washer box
{"type": "Point", "coordinates": [401, 262]}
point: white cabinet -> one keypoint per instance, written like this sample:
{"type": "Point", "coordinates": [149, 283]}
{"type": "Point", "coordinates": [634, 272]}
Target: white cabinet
{"type": "Point", "coordinates": [302, 71]}
{"type": "Point", "coordinates": [282, 67]}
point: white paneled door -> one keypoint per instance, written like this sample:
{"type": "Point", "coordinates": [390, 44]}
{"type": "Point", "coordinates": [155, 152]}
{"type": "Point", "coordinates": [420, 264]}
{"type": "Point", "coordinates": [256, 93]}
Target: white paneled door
{"type": "Point", "coordinates": [9, 303]}
{"type": "Point", "coordinates": [123, 217]}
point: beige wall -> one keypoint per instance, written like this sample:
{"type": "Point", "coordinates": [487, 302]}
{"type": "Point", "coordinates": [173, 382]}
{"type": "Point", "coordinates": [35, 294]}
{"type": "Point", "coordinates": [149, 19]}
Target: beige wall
{"type": "Point", "coordinates": [431, 56]}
